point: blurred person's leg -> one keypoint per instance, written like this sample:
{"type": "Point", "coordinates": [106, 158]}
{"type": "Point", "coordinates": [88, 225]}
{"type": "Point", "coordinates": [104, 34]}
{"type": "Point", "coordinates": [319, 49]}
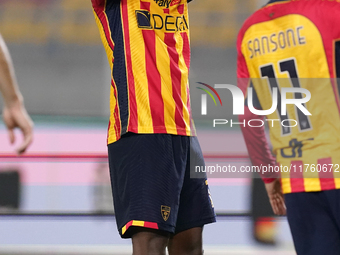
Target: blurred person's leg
{"type": "Point", "coordinates": [264, 225]}
{"type": "Point", "coordinates": [10, 188]}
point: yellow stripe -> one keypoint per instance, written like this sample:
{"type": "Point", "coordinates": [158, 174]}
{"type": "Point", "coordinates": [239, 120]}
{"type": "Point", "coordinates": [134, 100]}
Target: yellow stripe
{"type": "Point", "coordinates": [163, 65]}
{"type": "Point", "coordinates": [124, 230]}
{"type": "Point", "coordinates": [112, 137]}
{"type": "Point", "coordinates": [286, 187]}
{"type": "Point", "coordinates": [138, 223]}
{"type": "Point", "coordinates": [311, 181]}
{"type": "Point", "coordinates": [141, 82]}
{"type": "Point", "coordinates": [184, 81]}
{"type": "Point", "coordinates": [337, 183]}
{"type": "Point", "coordinates": [312, 184]}
{"type": "Point", "coordinates": [185, 74]}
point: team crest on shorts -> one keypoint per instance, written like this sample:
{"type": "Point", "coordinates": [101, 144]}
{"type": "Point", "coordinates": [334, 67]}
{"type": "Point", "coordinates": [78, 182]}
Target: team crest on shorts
{"type": "Point", "coordinates": [165, 210]}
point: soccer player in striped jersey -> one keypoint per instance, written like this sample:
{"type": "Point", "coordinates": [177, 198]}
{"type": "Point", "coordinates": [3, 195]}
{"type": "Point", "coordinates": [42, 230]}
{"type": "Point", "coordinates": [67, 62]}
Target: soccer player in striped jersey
{"type": "Point", "coordinates": [151, 139]}
{"type": "Point", "coordinates": [14, 111]}
{"type": "Point", "coordinates": [289, 44]}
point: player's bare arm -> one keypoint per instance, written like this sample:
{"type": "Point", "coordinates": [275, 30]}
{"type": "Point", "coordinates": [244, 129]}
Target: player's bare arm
{"type": "Point", "coordinates": [14, 111]}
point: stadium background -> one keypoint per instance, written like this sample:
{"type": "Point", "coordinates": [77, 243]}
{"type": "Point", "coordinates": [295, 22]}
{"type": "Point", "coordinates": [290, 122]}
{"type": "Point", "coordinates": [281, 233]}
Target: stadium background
{"type": "Point", "coordinates": [63, 74]}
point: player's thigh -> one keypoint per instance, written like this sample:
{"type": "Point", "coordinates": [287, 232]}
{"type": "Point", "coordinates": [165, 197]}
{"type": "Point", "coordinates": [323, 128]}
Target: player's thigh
{"type": "Point", "coordinates": [148, 241]}
{"type": "Point", "coordinates": [146, 180]}
{"type": "Point", "coordinates": [186, 242]}
{"type": "Point", "coordinates": [196, 206]}
{"type": "Point", "coordinates": [312, 224]}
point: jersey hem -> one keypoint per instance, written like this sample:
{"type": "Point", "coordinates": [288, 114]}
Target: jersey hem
{"type": "Point", "coordinates": [313, 189]}
{"type": "Point", "coordinates": [147, 130]}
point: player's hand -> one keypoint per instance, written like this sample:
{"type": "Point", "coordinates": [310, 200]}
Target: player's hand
{"type": "Point", "coordinates": [276, 198]}
{"type": "Point", "coordinates": [15, 116]}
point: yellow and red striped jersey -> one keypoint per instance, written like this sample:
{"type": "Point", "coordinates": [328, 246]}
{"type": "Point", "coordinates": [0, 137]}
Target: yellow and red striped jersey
{"type": "Point", "coordinates": [147, 44]}
{"type": "Point", "coordinates": [295, 44]}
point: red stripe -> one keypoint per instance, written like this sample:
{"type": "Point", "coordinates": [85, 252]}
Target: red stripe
{"type": "Point", "coordinates": [280, 173]}
{"type": "Point", "coordinates": [326, 178]}
{"type": "Point", "coordinates": [129, 224]}
{"type": "Point", "coordinates": [176, 76]}
{"type": "Point", "coordinates": [100, 11]}
{"type": "Point", "coordinates": [133, 119]}
{"type": "Point", "coordinates": [154, 78]}
{"type": "Point", "coordinates": [150, 225]}
{"type": "Point", "coordinates": [180, 9]}
{"type": "Point", "coordinates": [174, 2]}
{"type": "Point", "coordinates": [145, 6]}
{"type": "Point", "coordinates": [47, 156]}
{"type": "Point", "coordinates": [239, 157]}
{"type": "Point", "coordinates": [296, 177]}
{"type": "Point", "coordinates": [192, 127]}
{"type": "Point", "coordinates": [186, 49]}
{"type": "Point", "coordinates": [186, 56]}
{"type": "Point", "coordinates": [117, 124]}
{"type": "Point", "coordinates": [265, 220]}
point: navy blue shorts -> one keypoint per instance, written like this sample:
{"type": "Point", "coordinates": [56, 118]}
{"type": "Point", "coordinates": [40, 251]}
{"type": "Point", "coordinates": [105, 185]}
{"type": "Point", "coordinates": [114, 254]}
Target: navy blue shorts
{"type": "Point", "coordinates": [314, 220]}
{"type": "Point", "coordinates": [151, 184]}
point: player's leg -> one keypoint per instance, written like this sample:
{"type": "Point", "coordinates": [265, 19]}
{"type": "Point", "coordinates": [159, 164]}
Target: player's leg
{"type": "Point", "coordinates": [149, 241]}
{"type": "Point", "coordinates": [146, 185]}
{"type": "Point", "coordinates": [195, 209]}
{"type": "Point", "coordinates": [263, 221]}
{"type": "Point", "coordinates": [312, 223]}
{"type": "Point", "coordinates": [187, 242]}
